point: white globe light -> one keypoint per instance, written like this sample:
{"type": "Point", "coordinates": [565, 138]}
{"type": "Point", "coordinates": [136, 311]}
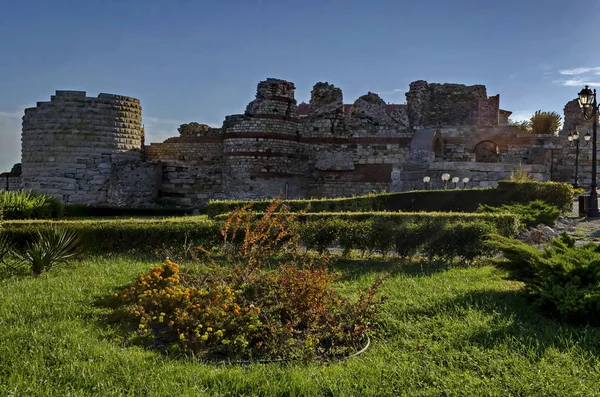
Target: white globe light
{"type": "Point", "coordinates": [455, 179]}
{"type": "Point", "coordinates": [426, 179]}
{"type": "Point", "coordinates": [445, 177]}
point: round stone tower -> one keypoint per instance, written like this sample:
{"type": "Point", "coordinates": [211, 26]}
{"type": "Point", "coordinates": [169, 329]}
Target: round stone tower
{"type": "Point", "coordinates": [263, 155]}
{"type": "Point", "coordinates": [70, 144]}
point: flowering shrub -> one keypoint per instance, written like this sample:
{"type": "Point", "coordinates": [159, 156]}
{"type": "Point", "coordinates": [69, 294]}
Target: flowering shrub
{"type": "Point", "coordinates": [244, 310]}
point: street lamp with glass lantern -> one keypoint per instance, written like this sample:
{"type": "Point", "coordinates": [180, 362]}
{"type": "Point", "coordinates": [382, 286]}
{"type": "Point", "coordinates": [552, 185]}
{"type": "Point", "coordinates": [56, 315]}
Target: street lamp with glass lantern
{"type": "Point", "coordinates": [589, 106]}
{"type": "Point", "coordinates": [573, 139]}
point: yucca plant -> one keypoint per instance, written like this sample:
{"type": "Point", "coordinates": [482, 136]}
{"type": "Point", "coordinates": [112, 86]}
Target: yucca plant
{"type": "Point", "coordinates": [52, 246]}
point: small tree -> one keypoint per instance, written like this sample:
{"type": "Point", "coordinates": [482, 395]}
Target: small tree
{"type": "Point", "coordinates": [545, 122]}
{"type": "Point", "coordinates": [524, 126]}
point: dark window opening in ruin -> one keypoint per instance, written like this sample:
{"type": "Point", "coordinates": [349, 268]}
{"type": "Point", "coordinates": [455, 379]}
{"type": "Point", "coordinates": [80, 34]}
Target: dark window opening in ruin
{"type": "Point", "coordinates": [437, 149]}
{"type": "Point", "coordinates": [487, 152]}
{"type": "Point", "coordinates": [315, 128]}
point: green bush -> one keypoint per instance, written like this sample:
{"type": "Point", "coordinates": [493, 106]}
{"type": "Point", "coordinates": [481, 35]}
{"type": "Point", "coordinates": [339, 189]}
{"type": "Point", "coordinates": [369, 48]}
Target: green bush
{"type": "Point", "coordinates": [435, 238]}
{"type": "Point", "coordinates": [532, 214]}
{"type": "Point", "coordinates": [125, 235]}
{"type": "Point", "coordinates": [29, 205]}
{"type": "Point", "coordinates": [557, 194]}
{"type": "Point", "coordinates": [464, 240]}
{"type": "Point", "coordinates": [452, 200]}
{"type": "Point", "coordinates": [507, 224]}
{"type": "Point", "coordinates": [320, 234]}
{"type": "Point", "coordinates": [371, 232]}
{"type": "Point", "coordinates": [563, 280]}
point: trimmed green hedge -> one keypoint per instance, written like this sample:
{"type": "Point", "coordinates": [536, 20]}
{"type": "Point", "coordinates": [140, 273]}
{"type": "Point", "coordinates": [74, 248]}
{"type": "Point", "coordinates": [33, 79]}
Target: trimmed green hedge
{"type": "Point", "coordinates": [557, 194]}
{"type": "Point", "coordinates": [434, 239]}
{"type": "Point", "coordinates": [443, 235]}
{"type": "Point", "coordinates": [507, 224]}
{"type": "Point", "coordinates": [126, 235]}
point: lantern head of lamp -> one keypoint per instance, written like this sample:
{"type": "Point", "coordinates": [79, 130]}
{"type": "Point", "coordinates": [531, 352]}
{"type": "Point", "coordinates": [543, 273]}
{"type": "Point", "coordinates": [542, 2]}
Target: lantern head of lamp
{"type": "Point", "coordinates": [586, 98]}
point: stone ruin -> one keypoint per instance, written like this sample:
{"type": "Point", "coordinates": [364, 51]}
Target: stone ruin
{"type": "Point", "coordinates": [88, 150]}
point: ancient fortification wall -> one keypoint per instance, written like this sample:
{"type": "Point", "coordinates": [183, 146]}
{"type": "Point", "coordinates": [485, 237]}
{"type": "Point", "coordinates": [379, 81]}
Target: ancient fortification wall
{"type": "Point", "coordinates": [83, 150]}
{"type": "Point", "coordinates": [91, 150]}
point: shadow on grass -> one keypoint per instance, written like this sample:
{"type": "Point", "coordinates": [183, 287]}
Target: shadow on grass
{"type": "Point", "coordinates": [517, 321]}
{"type": "Point", "coordinates": [354, 268]}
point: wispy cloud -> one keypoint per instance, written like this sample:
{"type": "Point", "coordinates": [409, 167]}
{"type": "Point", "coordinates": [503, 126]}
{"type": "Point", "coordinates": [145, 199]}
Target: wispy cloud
{"type": "Point", "coordinates": [578, 71]}
{"type": "Point", "coordinates": [577, 82]}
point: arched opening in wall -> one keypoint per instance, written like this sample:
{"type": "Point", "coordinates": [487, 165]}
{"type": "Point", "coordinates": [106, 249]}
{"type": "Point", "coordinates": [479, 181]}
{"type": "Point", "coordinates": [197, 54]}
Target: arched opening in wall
{"type": "Point", "coordinates": [487, 152]}
{"type": "Point", "coordinates": [437, 149]}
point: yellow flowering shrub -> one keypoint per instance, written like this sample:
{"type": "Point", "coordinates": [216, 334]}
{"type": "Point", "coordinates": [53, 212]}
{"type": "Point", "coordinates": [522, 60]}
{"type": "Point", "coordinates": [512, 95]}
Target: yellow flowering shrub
{"type": "Point", "coordinates": [245, 311]}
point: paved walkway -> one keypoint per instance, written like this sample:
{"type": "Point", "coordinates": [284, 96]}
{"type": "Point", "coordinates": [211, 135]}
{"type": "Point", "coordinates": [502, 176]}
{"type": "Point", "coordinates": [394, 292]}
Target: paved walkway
{"type": "Point", "coordinates": [584, 230]}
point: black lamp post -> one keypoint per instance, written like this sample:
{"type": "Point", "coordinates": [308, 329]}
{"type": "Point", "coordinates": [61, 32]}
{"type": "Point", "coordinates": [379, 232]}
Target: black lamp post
{"type": "Point", "coordinates": [587, 102]}
{"type": "Point", "coordinates": [573, 139]}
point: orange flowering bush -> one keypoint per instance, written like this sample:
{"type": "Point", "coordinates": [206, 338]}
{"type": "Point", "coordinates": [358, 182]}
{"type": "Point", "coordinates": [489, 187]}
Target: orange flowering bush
{"type": "Point", "coordinates": [244, 310]}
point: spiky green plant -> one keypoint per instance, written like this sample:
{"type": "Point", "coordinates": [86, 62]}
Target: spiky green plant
{"type": "Point", "coordinates": [53, 246]}
{"type": "Point", "coordinates": [545, 122]}
{"type": "Point", "coordinates": [29, 205]}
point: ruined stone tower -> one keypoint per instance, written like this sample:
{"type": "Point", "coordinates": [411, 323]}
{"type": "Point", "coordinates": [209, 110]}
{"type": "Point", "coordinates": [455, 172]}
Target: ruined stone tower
{"type": "Point", "coordinates": [80, 149]}
{"type": "Point", "coordinates": [262, 152]}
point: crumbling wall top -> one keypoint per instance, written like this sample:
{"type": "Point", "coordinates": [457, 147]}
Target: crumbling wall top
{"type": "Point", "coordinates": [326, 100]}
{"type": "Point", "coordinates": [432, 104]}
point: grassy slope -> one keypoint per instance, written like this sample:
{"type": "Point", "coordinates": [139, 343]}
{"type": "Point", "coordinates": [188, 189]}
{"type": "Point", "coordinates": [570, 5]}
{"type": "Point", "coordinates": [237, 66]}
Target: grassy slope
{"type": "Point", "coordinates": [455, 332]}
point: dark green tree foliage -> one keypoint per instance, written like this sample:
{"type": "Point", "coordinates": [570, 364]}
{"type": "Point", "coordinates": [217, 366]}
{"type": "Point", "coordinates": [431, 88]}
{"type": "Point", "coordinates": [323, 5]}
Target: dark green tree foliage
{"type": "Point", "coordinates": [545, 122]}
{"type": "Point", "coordinates": [563, 280]}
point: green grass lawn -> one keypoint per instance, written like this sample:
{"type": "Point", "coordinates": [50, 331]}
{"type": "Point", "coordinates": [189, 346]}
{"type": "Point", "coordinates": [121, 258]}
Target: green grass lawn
{"type": "Point", "coordinates": [458, 331]}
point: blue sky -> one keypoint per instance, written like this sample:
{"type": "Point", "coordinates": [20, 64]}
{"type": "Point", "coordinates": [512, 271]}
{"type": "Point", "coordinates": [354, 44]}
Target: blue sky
{"type": "Point", "coordinates": [195, 60]}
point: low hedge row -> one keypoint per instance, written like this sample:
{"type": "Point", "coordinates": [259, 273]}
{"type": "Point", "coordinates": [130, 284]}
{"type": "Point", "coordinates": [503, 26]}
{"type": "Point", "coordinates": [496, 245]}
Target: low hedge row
{"type": "Point", "coordinates": [506, 224]}
{"type": "Point", "coordinates": [371, 232]}
{"type": "Point", "coordinates": [435, 239]}
{"type": "Point", "coordinates": [126, 235]}
{"type": "Point", "coordinates": [452, 200]}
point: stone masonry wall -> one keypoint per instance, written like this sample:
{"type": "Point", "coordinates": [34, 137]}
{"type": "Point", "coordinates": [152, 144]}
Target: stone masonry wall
{"type": "Point", "coordinates": [262, 152]}
{"type": "Point", "coordinates": [71, 143]}
{"type": "Point", "coordinates": [191, 168]}
{"type": "Point", "coordinates": [446, 104]}
{"type": "Point", "coordinates": [91, 150]}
